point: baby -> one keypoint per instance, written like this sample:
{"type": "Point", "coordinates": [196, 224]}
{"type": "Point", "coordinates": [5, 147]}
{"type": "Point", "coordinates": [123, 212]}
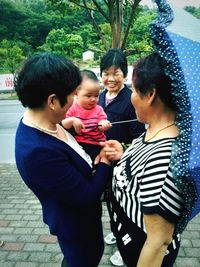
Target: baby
{"type": "Point", "coordinates": [86, 117]}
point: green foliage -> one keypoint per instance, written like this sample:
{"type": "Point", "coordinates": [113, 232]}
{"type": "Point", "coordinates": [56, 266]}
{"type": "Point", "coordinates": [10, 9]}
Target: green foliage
{"type": "Point", "coordinates": [194, 11]}
{"type": "Point", "coordinates": [64, 27]}
{"type": "Point", "coordinates": [74, 45]}
{"type": "Point", "coordinates": [139, 40]}
{"type": "Point", "coordinates": [31, 21]}
{"type": "Point", "coordinates": [64, 7]}
{"type": "Point", "coordinates": [61, 43]}
{"type": "Point", "coordinates": [88, 35]}
{"type": "Point", "coordinates": [106, 30]}
{"type": "Point", "coordinates": [11, 56]}
{"type": "Point", "coordinates": [23, 22]}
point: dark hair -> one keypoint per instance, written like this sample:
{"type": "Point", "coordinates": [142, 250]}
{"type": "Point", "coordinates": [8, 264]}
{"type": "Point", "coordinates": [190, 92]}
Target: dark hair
{"type": "Point", "coordinates": [149, 73]}
{"type": "Point", "coordinates": [89, 74]}
{"type": "Point", "coordinates": [114, 58]}
{"type": "Point", "coordinates": [45, 74]}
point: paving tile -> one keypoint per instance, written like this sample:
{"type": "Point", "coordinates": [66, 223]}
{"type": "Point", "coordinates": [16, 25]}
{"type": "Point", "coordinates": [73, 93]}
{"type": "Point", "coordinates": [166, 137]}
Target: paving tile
{"type": "Point", "coordinates": [13, 246]}
{"type": "Point", "coordinates": [27, 239]}
{"type": "Point", "coordinates": [47, 239]}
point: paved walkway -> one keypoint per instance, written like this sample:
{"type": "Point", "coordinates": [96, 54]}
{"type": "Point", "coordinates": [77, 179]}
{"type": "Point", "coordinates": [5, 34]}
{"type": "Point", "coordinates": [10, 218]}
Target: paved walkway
{"type": "Point", "coordinates": [27, 240]}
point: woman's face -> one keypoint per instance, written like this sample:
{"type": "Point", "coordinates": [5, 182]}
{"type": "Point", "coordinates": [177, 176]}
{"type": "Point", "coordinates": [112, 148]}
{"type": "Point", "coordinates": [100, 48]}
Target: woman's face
{"type": "Point", "coordinates": [60, 111]}
{"type": "Point", "coordinates": [113, 79]}
{"type": "Point", "coordinates": [140, 104]}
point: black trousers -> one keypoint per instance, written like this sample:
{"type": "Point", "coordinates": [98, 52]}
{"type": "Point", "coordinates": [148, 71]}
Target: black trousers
{"type": "Point", "coordinates": [130, 238]}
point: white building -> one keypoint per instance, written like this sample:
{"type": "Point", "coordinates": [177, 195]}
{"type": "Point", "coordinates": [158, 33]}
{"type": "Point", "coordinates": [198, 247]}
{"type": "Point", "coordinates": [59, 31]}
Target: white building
{"type": "Point", "coordinates": [88, 55]}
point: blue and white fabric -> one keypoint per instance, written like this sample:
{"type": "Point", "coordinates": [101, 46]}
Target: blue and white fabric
{"type": "Point", "coordinates": [176, 37]}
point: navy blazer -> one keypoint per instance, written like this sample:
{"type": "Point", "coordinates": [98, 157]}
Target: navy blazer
{"type": "Point", "coordinates": [63, 182]}
{"type": "Point", "coordinates": [121, 109]}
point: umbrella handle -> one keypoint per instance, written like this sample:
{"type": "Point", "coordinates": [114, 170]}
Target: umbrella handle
{"type": "Point", "coordinates": [113, 123]}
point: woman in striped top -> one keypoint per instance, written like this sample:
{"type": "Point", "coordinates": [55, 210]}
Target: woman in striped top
{"type": "Point", "coordinates": [145, 203]}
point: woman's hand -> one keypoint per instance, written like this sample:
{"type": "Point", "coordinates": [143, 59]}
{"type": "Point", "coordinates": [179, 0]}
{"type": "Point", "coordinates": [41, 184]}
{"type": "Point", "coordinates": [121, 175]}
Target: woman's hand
{"type": "Point", "coordinates": [111, 150]}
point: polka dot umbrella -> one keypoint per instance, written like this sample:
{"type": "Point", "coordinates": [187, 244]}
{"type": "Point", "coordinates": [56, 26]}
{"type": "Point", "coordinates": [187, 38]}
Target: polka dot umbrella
{"type": "Point", "coordinates": [176, 37]}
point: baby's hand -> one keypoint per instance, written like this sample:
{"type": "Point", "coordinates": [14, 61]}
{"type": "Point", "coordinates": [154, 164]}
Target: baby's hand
{"type": "Point", "coordinates": [78, 125]}
{"type": "Point", "coordinates": [104, 125]}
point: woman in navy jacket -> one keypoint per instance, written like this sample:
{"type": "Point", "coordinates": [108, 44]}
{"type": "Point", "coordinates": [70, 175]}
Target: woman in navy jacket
{"type": "Point", "coordinates": [53, 165]}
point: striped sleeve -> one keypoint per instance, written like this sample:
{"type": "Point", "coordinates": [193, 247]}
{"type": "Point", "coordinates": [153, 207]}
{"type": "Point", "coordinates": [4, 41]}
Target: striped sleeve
{"type": "Point", "coordinates": [158, 193]}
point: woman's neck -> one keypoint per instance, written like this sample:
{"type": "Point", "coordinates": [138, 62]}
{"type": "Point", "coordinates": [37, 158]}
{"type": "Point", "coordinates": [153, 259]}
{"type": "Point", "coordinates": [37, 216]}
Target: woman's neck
{"type": "Point", "coordinates": [161, 126]}
{"type": "Point", "coordinates": [112, 94]}
{"type": "Point", "coordinates": [39, 118]}
{"type": "Point", "coordinates": [160, 116]}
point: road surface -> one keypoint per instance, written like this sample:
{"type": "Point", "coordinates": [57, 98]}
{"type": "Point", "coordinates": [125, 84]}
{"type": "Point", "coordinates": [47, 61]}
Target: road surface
{"type": "Point", "coordinates": [10, 113]}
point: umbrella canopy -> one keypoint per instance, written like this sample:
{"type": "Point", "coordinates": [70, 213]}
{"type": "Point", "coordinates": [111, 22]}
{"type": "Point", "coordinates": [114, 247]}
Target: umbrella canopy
{"type": "Point", "coordinates": [176, 37]}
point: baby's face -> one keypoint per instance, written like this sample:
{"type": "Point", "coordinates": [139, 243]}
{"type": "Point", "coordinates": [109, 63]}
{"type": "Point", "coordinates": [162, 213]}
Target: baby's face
{"type": "Point", "coordinates": [88, 94]}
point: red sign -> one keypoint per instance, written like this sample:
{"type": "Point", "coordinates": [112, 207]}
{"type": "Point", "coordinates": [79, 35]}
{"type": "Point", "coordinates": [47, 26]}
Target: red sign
{"type": "Point", "coordinates": [6, 82]}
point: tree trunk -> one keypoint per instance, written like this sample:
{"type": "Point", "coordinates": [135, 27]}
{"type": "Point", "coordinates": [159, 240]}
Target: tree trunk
{"type": "Point", "coordinates": [113, 16]}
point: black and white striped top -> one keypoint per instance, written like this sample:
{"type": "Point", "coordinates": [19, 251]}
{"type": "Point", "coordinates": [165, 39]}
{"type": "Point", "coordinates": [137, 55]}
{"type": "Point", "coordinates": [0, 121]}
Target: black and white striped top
{"type": "Point", "coordinates": [143, 181]}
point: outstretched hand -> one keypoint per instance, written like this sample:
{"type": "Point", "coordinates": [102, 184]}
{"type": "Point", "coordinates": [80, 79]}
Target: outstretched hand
{"type": "Point", "coordinates": [111, 150]}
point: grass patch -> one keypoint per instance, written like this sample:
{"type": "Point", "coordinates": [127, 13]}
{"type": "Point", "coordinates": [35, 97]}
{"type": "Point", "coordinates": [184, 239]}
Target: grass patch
{"type": "Point", "coordinates": [8, 96]}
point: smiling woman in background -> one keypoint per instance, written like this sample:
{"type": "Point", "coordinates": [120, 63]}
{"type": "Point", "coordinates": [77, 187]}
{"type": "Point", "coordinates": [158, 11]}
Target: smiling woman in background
{"type": "Point", "coordinates": [116, 97]}
{"type": "Point", "coordinates": [116, 102]}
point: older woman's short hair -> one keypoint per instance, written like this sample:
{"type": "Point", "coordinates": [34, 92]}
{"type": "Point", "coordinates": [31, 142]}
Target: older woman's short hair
{"type": "Point", "coordinates": [149, 74]}
{"type": "Point", "coordinates": [114, 58]}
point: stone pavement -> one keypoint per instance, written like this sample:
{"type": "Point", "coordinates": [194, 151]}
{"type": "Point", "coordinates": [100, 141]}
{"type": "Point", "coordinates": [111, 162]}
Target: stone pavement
{"type": "Point", "coordinates": [29, 244]}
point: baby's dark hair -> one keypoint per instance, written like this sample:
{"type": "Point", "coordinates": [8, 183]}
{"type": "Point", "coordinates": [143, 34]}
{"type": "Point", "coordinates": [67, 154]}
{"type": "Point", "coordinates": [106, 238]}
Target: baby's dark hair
{"type": "Point", "coordinates": [89, 74]}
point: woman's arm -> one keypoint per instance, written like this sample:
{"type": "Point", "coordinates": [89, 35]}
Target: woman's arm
{"type": "Point", "coordinates": [159, 236]}
{"type": "Point", "coordinates": [66, 177]}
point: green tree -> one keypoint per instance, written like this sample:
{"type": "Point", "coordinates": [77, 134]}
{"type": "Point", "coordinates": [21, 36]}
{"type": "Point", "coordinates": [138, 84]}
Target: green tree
{"type": "Point", "coordinates": [61, 43]}
{"type": "Point", "coordinates": [197, 13]}
{"type": "Point", "coordinates": [88, 35]}
{"type": "Point", "coordinates": [193, 10]}
{"type": "Point", "coordinates": [119, 14]}
{"type": "Point", "coordinates": [74, 45]}
{"type": "Point", "coordinates": [11, 56]}
{"type": "Point", "coordinates": [139, 41]}
{"type": "Point", "coordinates": [10, 20]}
{"type": "Point", "coordinates": [28, 21]}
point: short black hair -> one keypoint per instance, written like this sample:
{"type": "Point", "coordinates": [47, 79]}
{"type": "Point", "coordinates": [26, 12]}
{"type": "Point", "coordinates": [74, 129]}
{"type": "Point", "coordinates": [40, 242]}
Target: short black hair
{"type": "Point", "coordinates": [89, 74]}
{"type": "Point", "coordinates": [149, 73]}
{"type": "Point", "coordinates": [45, 74]}
{"type": "Point", "coordinates": [114, 58]}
